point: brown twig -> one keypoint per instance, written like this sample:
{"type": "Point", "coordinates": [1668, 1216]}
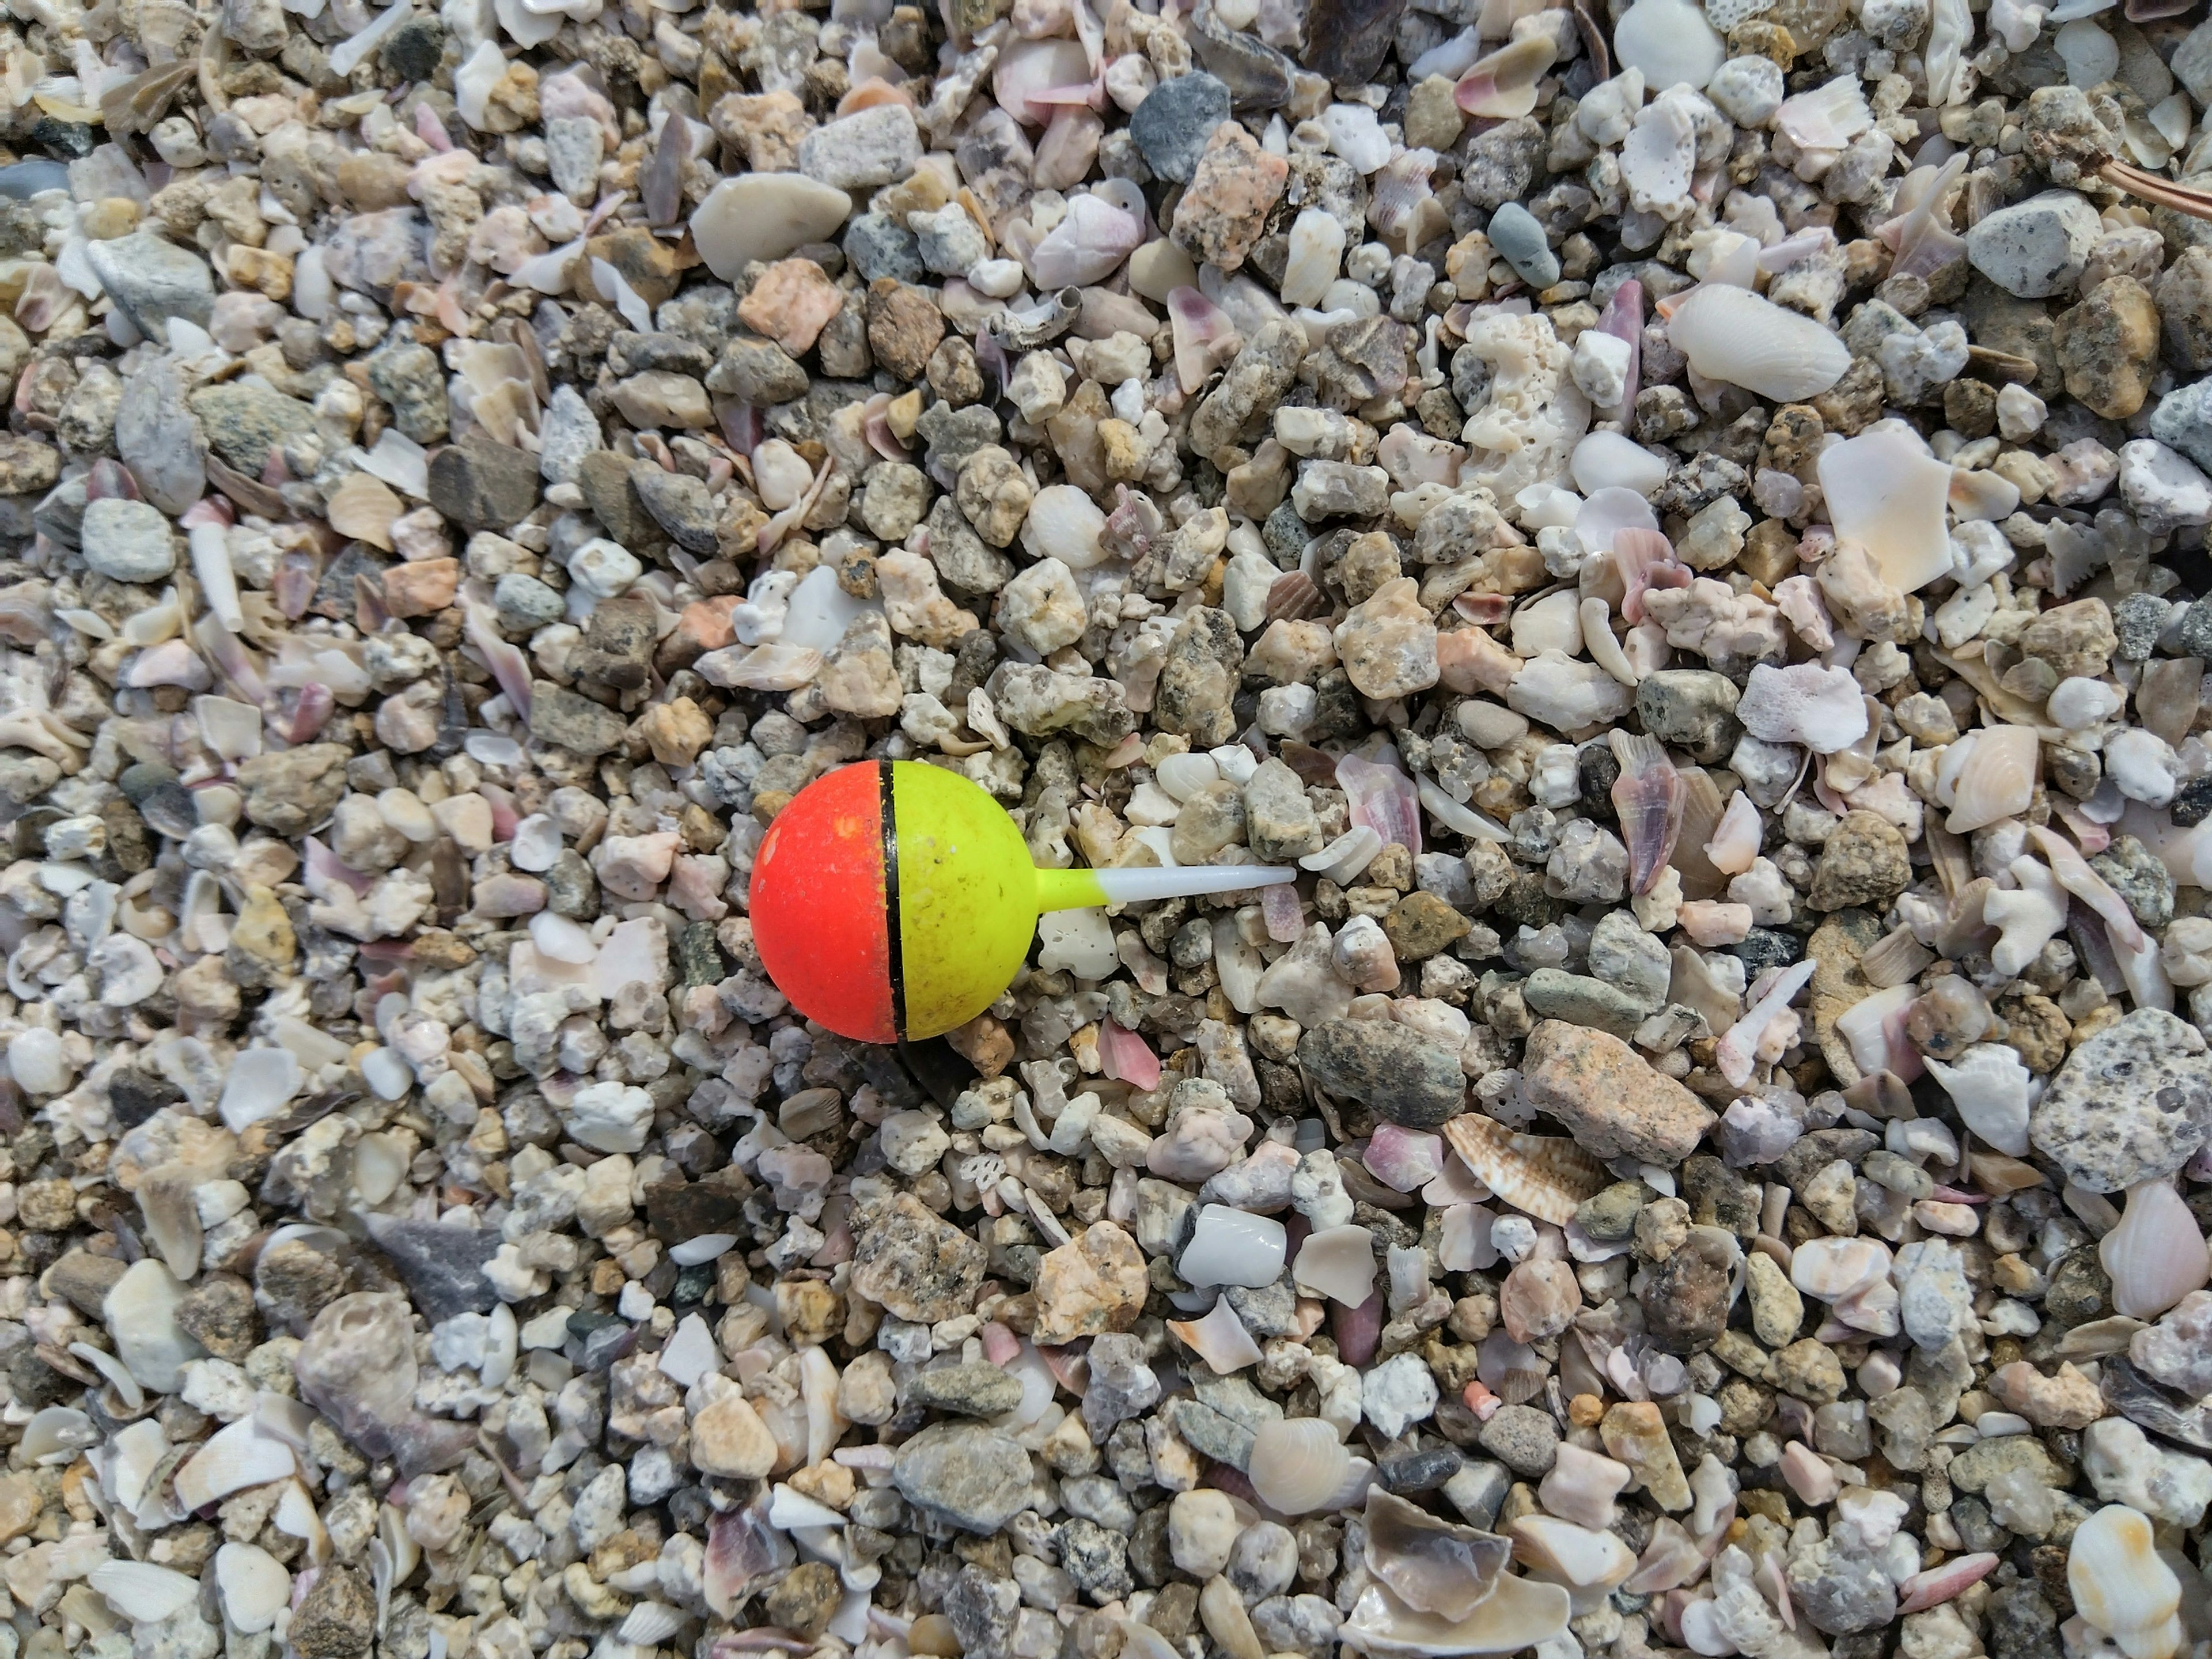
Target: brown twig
{"type": "Point", "coordinates": [2159, 190]}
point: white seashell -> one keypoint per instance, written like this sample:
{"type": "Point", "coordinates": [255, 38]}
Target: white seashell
{"type": "Point", "coordinates": [132, 1456]}
{"type": "Point", "coordinates": [140, 1310]}
{"type": "Point", "coordinates": [295, 1516]}
{"type": "Point", "coordinates": [1231, 1247]}
{"type": "Point", "coordinates": [1610, 460]}
{"type": "Point", "coordinates": [392, 1554]}
{"type": "Point", "coordinates": [1886, 492]}
{"type": "Point", "coordinates": [1671, 42]}
{"type": "Point", "coordinates": [236, 1458]}
{"type": "Point", "coordinates": [780, 474]}
{"type": "Point", "coordinates": [1731, 334]}
{"type": "Point", "coordinates": [1317, 246]}
{"type": "Point", "coordinates": [1337, 1262]}
{"type": "Point", "coordinates": [348, 53]}
{"type": "Point", "coordinates": [692, 1252]}
{"type": "Point", "coordinates": [1737, 1054]}
{"type": "Point", "coordinates": [379, 1166]}
{"type": "Point", "coordinates": [1297, 1464]}
{"type": "Point", "coordinates": [254, 1584]}
{"type": "Point", "coordinates": [283, 1418]}
{"type": "Point", "coordinates": [2027, 917]}
{"type": "Point", "coordinates": [764, 668]}
{"type": "Point", "coordinates": [2156, 1255]}
{"type": "Point", "coordinates": [1609, 511]}
{"type": "Point", "coordinates": [260, 1084]}
{"type": "Point", "coordinates": [651, 1623]}
{"type": "Point", "coordinates": [1465, 1245]}
{"type": "Point", "coordinates": [1182, 776]}
{"type": "Point", "coordinates": [141, 1592]}
{"type": "Point", "coordinates": [58, 1433]}
{"type": "Point", "coordinates": [1988, 775]}
{"type": "Point", "coordinates": [2120, 1585]}
{"type": "Point", "coordinates": [1828, 117]}
{"type": "Point", "coordinates": [1519, 1613]}
{"type": "Point", "coordinates": [1063, 524]}
{"type": "Point", "coordinates": [1553, 622]}
{"type": "Point", "coordinates": [761, 215]}
{"type": "Point", "coordinates": [1219, 1339]}
{"type": "Point", "coordinates": [788, 1507]}
{"type": "Point", "coordinates": [1347, 856]}
{"type": "Point", "coordinates": [1833, 1267]}
{"type": "Point", "coordinates": [117, 1374]}
{"type": "Point", "coordinates": [1989, 1085]}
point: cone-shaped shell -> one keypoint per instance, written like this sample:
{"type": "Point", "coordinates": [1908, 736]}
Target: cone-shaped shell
{"type": "Point", "coordinates": [1544, 1175]}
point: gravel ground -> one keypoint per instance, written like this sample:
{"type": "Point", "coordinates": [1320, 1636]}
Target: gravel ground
{"type": "Point", "coordinates": [1681, 522]}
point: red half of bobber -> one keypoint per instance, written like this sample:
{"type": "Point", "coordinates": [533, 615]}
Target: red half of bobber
{"type": "Point", "coordinates": [821, 904]}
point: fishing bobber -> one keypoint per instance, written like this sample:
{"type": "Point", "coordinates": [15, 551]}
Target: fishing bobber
{"type": "Point", "coordinates": [894, 900]}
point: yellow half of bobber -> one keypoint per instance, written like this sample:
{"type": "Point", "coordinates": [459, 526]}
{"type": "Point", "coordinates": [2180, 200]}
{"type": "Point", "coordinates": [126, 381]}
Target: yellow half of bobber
{"type": "Point", "coordinates": [969, 897]}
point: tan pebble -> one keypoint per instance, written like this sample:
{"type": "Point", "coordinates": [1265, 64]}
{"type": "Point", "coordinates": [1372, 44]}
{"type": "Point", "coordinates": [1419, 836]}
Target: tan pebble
{"type": "Point", "coordinates": [422, 589]}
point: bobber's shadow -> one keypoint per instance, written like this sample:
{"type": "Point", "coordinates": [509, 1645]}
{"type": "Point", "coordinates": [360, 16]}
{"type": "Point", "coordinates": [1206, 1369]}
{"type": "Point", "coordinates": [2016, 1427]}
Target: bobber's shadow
{"type": "Point", "coordinates": [937, 1069]}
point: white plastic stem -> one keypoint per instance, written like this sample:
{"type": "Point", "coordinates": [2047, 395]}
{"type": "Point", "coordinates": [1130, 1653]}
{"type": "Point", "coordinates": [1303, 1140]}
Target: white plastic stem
{"type": "Point", "coordinates": [1137, 886]}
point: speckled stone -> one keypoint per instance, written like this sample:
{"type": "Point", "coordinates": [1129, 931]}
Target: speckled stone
{"type": "Point", "coordinates": [2133, 1103]}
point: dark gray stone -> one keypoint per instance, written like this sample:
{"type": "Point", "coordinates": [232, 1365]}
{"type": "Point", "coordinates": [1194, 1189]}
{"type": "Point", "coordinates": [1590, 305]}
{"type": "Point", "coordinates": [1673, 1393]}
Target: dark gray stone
{"type": "Point", "coordinates": [481, 485]}
{"type": "Point", "coordinates": [1346, 40]}
{"type": "Point", "coordinates": [1171, 127]}
{"type": "Point", "coordinates": [1392, 1069]}
{"type": "Point", "coordinates": [443, 1266]}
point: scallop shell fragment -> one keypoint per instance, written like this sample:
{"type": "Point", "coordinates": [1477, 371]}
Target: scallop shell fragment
{"type": "Point", "coordinates": [1298, 1465]}
{"type": "Point", "coordinates": [1545, 1176]}
{"type": "Point", "coordinates": [1988, 775]}
{"type": "Point", "coordinates": [362, 510]}
{"type": "Point", "coordinates": [2157, 1255]}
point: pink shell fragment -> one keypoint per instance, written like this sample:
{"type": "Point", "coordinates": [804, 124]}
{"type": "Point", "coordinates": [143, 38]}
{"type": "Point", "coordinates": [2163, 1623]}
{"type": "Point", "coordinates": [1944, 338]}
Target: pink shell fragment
{"type": "Point", "coordinates": [1128, 1057]}
{"type": "Point", "coordinates": [1646, 560]}
{"type": "Point", "coordinates": [1403, 1159]}
{"type": "Point", "coordinates": [1384, 799]}
{"type": "Point", "coordinates": [1623, 319]}
{"type": "Point", "coordinates": [1939, 1584]}
{"type": "Point", "coordinates": [1359, 1331]}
